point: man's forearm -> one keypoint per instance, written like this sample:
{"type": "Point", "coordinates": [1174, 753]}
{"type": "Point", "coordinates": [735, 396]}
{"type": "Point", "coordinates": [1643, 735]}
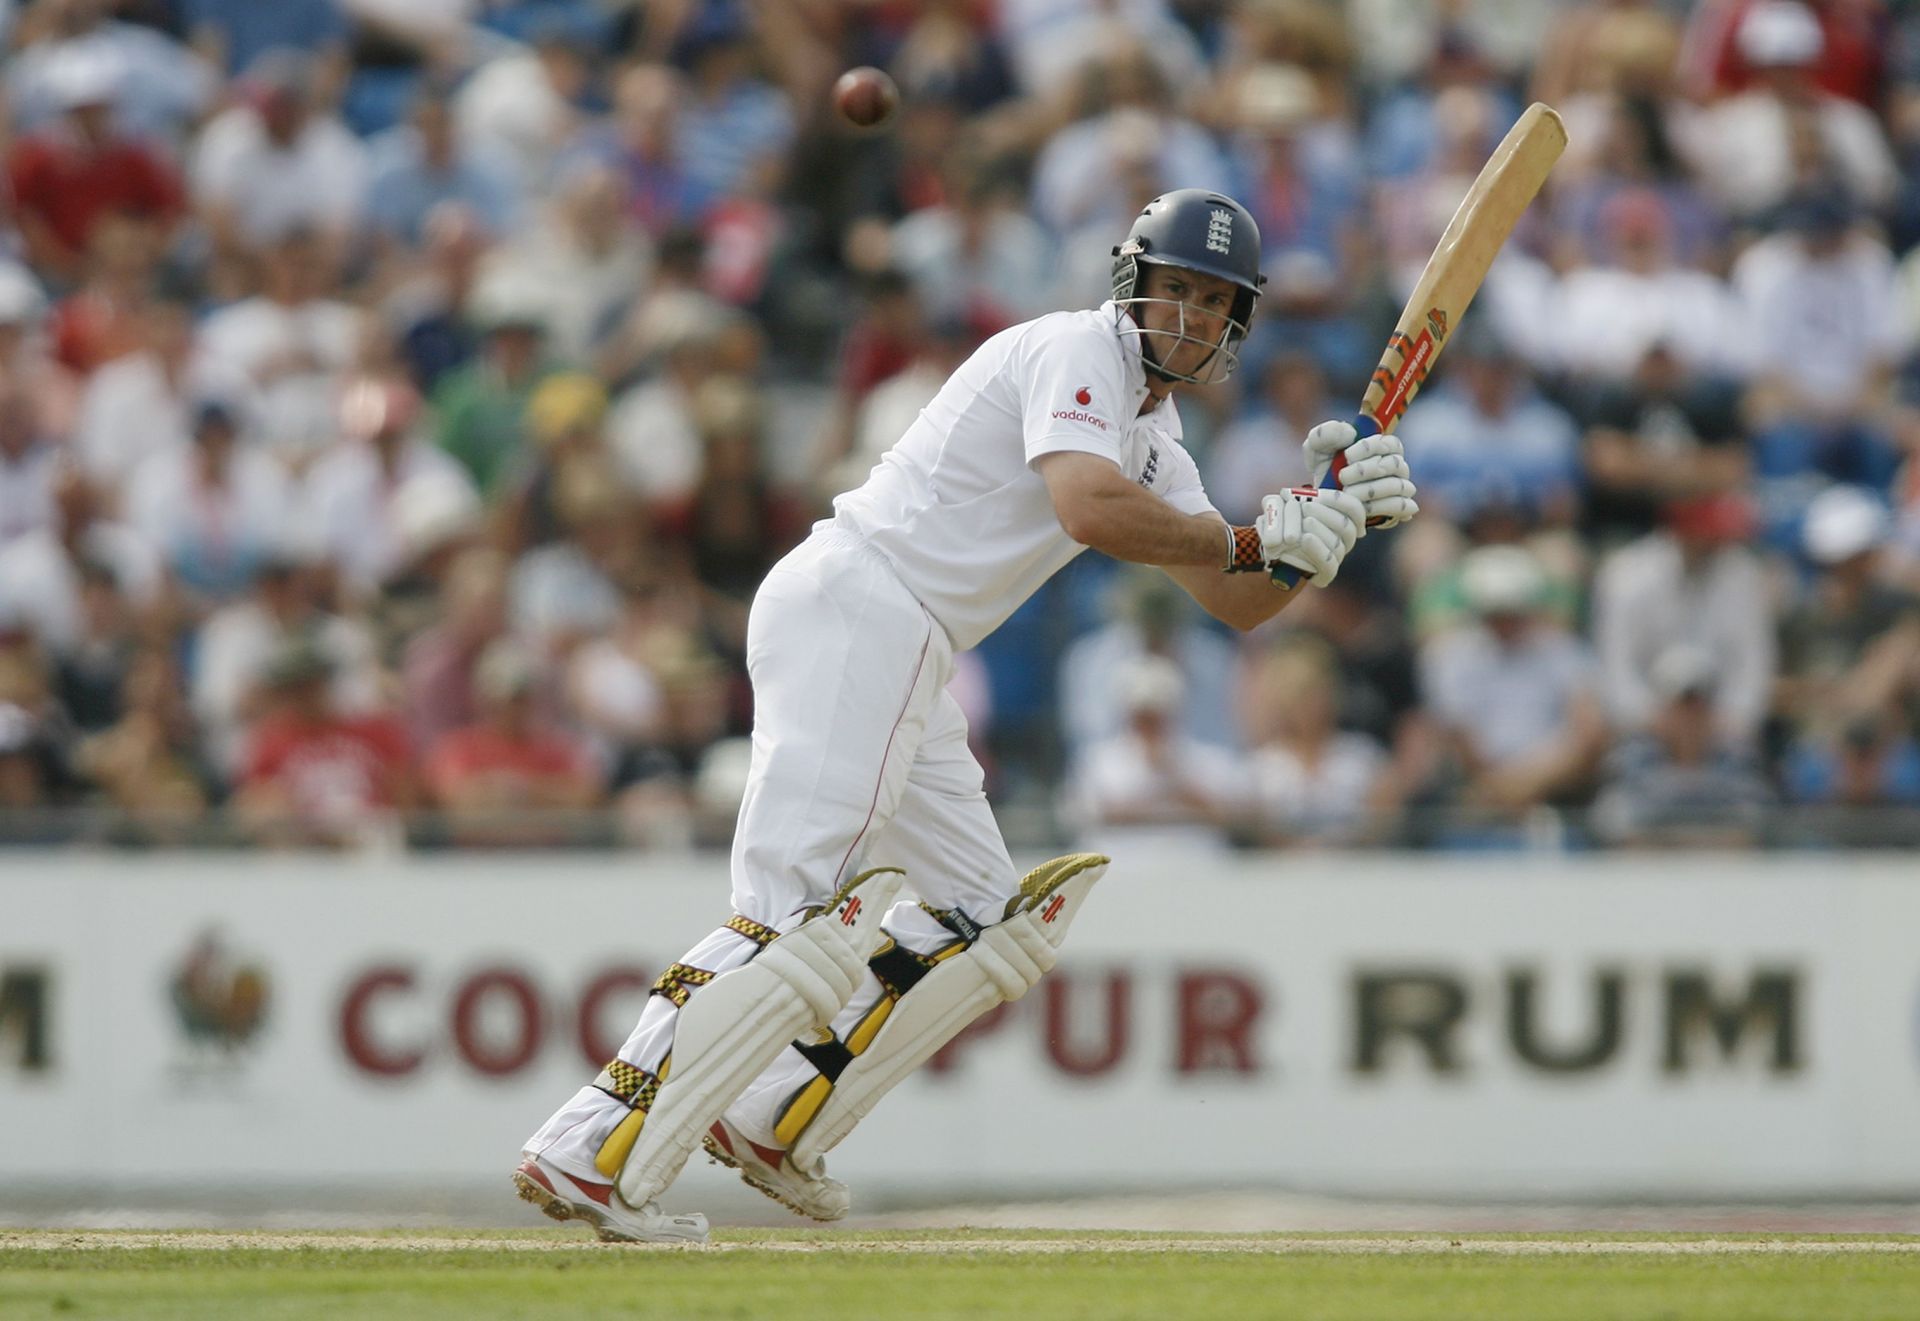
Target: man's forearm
{"type": "Point", "coordinates": [1129, 523]}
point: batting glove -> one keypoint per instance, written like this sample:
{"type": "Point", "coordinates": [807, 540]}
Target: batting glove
{"type": "Point", "coordinates": [1311, 530]}
{"type": "Point", "coordinates": [1376, 470]}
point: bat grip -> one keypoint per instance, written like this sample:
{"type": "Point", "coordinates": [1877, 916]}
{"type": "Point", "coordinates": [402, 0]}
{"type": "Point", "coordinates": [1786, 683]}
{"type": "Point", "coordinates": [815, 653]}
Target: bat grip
{"type": "Point", "coordinates": [1285, 575]}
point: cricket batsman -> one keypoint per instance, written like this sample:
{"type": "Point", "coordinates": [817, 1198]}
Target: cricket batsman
{"type": "Point", "coordinates": [772, 1037]}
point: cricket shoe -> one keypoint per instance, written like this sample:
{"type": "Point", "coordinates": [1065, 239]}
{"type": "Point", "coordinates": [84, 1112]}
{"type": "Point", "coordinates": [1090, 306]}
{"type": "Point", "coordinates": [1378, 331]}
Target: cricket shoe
{"type": "Point", "coordinates": [564, 1197]}
{"type": "Point", "coordinates": [809, 1192]}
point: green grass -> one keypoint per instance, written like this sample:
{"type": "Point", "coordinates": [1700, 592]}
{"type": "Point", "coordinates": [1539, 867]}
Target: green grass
{"type": "Point", "coordinates": [971, 1276]}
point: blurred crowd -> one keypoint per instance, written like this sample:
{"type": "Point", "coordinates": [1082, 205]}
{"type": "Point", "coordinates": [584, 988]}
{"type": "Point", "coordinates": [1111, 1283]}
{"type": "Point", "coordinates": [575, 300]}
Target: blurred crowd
{"type": "Point", "coordinates": [401, 399]}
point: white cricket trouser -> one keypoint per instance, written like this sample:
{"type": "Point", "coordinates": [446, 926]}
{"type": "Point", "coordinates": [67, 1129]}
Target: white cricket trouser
{"type": "Point", "coordinates": [860, 760]}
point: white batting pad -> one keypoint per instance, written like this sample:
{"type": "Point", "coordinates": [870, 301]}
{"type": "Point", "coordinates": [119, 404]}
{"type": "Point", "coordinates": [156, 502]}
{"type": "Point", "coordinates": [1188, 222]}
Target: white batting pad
{"type": "Point", "coordinates": [1003, 964]}
{"type": "Point", "coordinates": [733, 1027]}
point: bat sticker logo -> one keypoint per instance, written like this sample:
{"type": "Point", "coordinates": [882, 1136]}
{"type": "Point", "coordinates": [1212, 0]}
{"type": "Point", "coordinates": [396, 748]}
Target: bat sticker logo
{"type": "Point", "coordinates": [1437, 323]}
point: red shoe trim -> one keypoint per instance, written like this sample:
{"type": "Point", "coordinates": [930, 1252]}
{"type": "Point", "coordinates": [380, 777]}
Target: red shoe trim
{"type": "Point", "coordinates": [601, 1193]}
{"type": "Point", "coordinates": [771, 1155]}
{"type": "Point", "coordinates": [719, 1132]}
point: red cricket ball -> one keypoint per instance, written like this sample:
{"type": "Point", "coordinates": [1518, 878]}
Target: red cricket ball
{"type": "Point", "coordinates": [865, 96]}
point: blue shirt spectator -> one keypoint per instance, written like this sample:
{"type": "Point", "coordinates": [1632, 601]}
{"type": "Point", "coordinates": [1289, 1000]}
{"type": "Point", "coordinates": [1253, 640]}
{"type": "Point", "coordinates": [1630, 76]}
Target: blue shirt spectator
{"type": "Point", "coordinates": [417, 166]}
{"type": "Point", "coordinates": [1486, 426]}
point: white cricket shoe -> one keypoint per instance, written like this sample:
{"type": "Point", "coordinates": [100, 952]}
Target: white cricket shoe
{"type": "Point", "coordinates": [564, 1197]}
{"type": "Point", "coordinates": [809, 1192]}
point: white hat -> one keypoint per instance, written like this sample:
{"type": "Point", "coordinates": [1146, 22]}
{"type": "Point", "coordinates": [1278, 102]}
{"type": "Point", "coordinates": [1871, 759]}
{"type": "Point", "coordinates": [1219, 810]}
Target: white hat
{"type": "Point", "coordinates": [1151, 683]}
{"type": "Point", "coordinates": [22, 302]}
{"type": "Point", "coordinates": [1841, 522]}
{"type": "Point", "coordinates": [83, 75]}
{"type": "Point", "coordinates": [1273, 98]}
{"type": "Point", "coordinates": [1500, 580]}
{"type": "Point", "coordinates": [1779, 33]}
{"type": "Point", "coordinates": [431, 509]}
{"type": "Point", "coordinates": [1681, 669]}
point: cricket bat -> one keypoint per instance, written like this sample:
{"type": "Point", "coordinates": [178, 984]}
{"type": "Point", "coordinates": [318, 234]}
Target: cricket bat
{"type": "Point", "coordinates": [1486, 217]}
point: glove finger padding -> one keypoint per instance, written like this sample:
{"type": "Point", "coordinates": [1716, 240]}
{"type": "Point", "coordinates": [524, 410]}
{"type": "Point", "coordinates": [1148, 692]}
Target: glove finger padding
{"type": "Point", "coordinates": [1322, 443]}
{"type": "Point", "coordinates": [1373, 447]}
{"type": "Point", "coordinates": [1311, 529]}
{"type": "Point", "coordinates": [1373, 468]}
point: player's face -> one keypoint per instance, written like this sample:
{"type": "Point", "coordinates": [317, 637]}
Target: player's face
{"type": "Point", "coordinates": [1187, 303]}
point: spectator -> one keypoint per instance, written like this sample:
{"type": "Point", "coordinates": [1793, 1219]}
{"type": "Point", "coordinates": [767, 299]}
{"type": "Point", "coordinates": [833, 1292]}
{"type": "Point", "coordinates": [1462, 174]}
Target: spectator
{"type": "Point", "coordinates": [1312, 782]}
{"type": "Point", "coordinates": [1681, 782]}
{"type": "Point", "coordinates": [312, 775]}
{"type": "Point", "coordinates": [1606, 318]}
{"type": "Point", "coordinates": [89, 676]}
{"type": "Point", "coordinates": [158, 83]}
{"type": "Point", "coordinates": [1148, 781]}
{"type": "Point", "coordinates": [569, 590]}
{"type": "Point", "coordinates": [352, 490]}
{"type": "Point", "coordinates": [1132, 117]}
{"type": "Point", "coordinates": [1784, 132]}
{"type": "Point", "coordinates": [1819, 299]}
{"type": "Point", "coordinates": [1150, 617]}
{"type": "Point", "coordinates": [1485, 427]}
{"type": "Point", "coordinates": [1260, 450]}
{"type": "Point", "coordinates": [583, 262]}
{"type": "Point", "coordinates": [280, 162]}
{"type": "Point", "coordinates": [437, 672]}
{"type": "Point", "coordinates": [1698, 583]}
{"type": "Point", "coordinates": [1863, 780]}
{"type": "Point", "coordinates": [977, 258]}
{"type": "Point", "coordinates": [509, 762]}
{"type": "Point", "coordinates": [24, 352]}
{"type": "Point", "coordinates": [42, 572]}
{"type": "Point", "coordinates": [1663, 434]}
{"type": "Point", "coordinates": [735, 524]}
{"type": "Point", "coordinates": [28, 462]}
{"type": "Point", "coordinates": [735, 129]}
{"type": "Point", "coordinates": [424, 163]}
{"type": "Point", "coordinates": [237, 646]}
{"type": "Point", "coordinates": [291, 344]}
{"type": "Point", "coordinates": [137, 405]}
{"type": "Point", "coordinates": [430, 307]}
{"type": "Point", "coordinates": [654, 439]}
{"type": "Point", "coordinates": [214, 508]}
{"type": "Point", "coordinates": [641, 144]}
{"type": "Point", "coordinates": [1514, 699]}
{"type": "Point", "coordinates": [70, 173]}
{"type": "Point", "coordinates": [148, 762]}
{"type": "Point", "coordinates": [101, 319]}
{"type": "Point", "coordinates": [1850, 647]}
{"type": "Point", "coordinates": [481, 406]}
{"type": "Point", "coordinates": [522, 104]}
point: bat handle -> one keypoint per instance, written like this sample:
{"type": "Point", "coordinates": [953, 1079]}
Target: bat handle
{"type": "Point", "coordinates": [1285, 575]}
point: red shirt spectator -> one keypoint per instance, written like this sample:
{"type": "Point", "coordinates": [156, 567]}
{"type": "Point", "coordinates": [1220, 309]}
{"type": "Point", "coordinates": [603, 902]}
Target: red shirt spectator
{"type": "Point", "coordinates": [65, 177]}
{"type": "Point", "coordinates": [508, 760]}
{"type": "Point", "coordinates": [311, 772]}
{"type": "Point", "coordinates": [332, 768]}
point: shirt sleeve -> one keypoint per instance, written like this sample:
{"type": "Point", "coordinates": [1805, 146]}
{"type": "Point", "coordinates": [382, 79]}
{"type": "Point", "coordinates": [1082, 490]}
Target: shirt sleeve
{"type": "Point", "coordinates": [1073, 393]}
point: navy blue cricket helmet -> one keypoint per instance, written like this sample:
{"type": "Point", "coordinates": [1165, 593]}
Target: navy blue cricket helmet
{"type": "Point", "coordinates": [1198, 230]}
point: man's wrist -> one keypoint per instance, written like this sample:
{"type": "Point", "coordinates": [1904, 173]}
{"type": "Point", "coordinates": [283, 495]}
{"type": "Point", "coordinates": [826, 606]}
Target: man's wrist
{"type": "Point", "coordinates": [1244, 553]}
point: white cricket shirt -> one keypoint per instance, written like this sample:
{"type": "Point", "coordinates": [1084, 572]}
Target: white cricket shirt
{"type": "Point", "coordinates": [956, 505]}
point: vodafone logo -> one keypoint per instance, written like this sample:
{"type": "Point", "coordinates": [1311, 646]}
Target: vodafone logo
{"type": "Point", "coordinates": [1076, 415]}
{"type": "Point", "coordinates": [1083, 396]}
